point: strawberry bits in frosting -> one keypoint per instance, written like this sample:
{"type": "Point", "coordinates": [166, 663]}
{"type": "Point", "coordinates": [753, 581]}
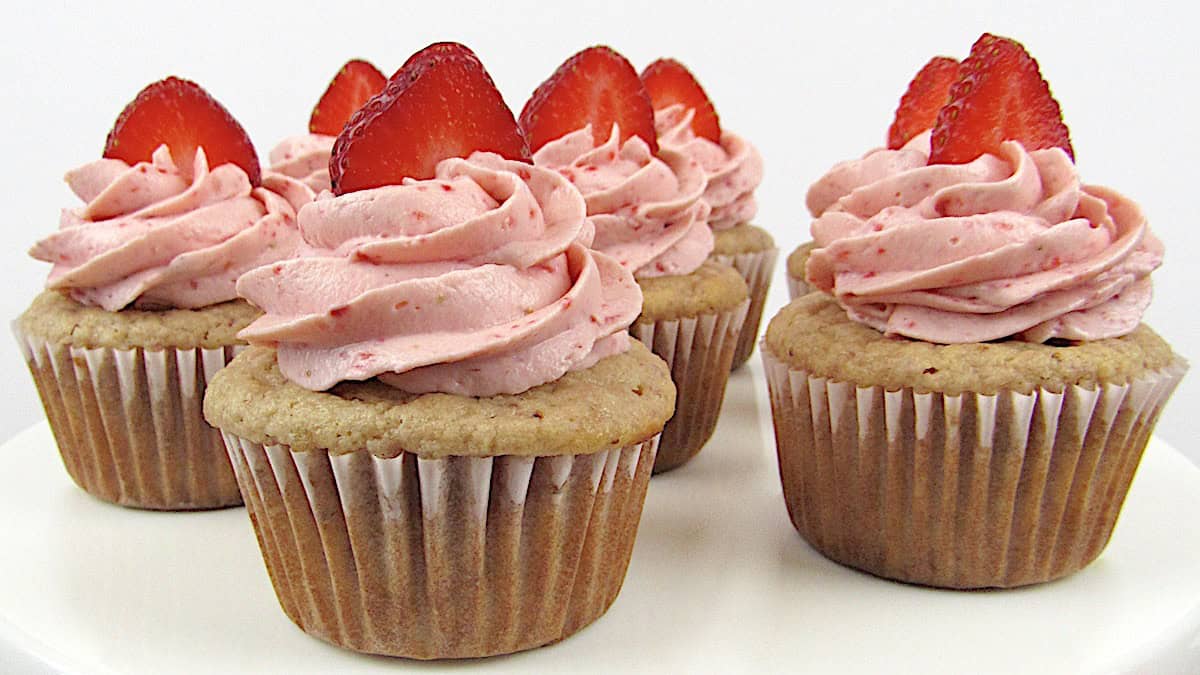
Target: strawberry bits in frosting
{"type": "Point", "coordinates": [152, 236]}
{"type": "Point", "coordinates": [1007, 245]}
{"type": "Point", "coordinates": [476, 282]}
{"type": "Point", "coordinates": [647, 210]}
{"type": "Point", "coordinates": [733, 168]}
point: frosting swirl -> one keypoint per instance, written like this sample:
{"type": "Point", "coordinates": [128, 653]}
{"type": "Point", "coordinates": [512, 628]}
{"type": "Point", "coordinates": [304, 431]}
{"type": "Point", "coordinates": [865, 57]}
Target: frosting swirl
{"type": "Point", "coordinates": [304, 158]}
{"type": "Point", "coordinates": [647, 210]}
{"type": "Point", "coordinates": [734, 168]}
{"type": "Point", "coordinates": [150, 237]}
{"type": "Point", "coordinates": [476, 282]}
{"type": "Point", "coordinates": [1004, 246]}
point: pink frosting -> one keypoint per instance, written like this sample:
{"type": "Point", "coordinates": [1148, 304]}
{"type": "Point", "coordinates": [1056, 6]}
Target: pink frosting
{"type": "Point", "coordinates": [733, 168]}
{"type": "Point", "coordinates": [150, 237]}
{"type": "Point", "coordinates": [304, 158]}
{"type": "Point", "coordinates": [476, 282]}
{"type": "Point", "coordinates": [647, 210]}
{"type": "Point", "coordinates": [1004, 246]}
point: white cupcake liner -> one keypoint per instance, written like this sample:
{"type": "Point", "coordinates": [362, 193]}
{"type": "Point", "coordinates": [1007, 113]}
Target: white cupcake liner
{"type": "Point", "coordinates": [129, 422]}
{"type": "Point", "coordinates": [698, 350]}
{"type": "Point", "coordinates": [443, 558]}
{"type": "Point", "coordinates": [756, 268]}
{"type": "Point", "coordinates": [963, 491]}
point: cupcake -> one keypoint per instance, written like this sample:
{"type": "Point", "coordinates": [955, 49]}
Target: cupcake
{"type": "Point", "coordinates": [686, 122]}
{"type": "Point", "coordinates": [305, 157]}
{"type": "Point", "coordinates": [444, 433]}
{"type": "Point", "coordinates": [140, 309]}
{"type": "Point", "coordinates": [964, 398]}
{"type": "Point", "coordinates": [592, 122]}
{"type": "Point", "coordinates": [796, 262]}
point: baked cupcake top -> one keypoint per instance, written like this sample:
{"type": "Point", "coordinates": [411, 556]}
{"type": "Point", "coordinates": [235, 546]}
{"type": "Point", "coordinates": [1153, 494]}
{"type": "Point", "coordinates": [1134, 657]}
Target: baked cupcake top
{"type": "Point", "coordinates": [57, 319]}
{"type": "Point", "coordinates": [620, 401]}
{"type": "Point", "coordinates": [987, 234]}
{"type": "Point", "coordinates": [305, 157]}
{"type": "Point", "coordinates": [814, 334]}
{"type": "Point", "coordinates": [437, 273]}
{"type": "Point", "coordinates": [711, 289]}
{"type": "Point", "coordinates": [645, 201]}
{"type": "Point", "coordinates": [174, 212]}
{"type": "Point", "coordinates": [686, 122]}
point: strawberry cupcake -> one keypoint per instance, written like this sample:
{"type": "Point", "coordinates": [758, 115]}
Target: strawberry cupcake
{"type": "Point", "coordinates": [140, 308]}
{"type": "Point", "coordinates": [305, 157]}
{"type": "Point", "coordinates": [592, 122]}
{"type": "Point", "coordinates": [965, 398]}
{"type": "Point", "coordinates": [687, 123]}
{"type": "Point", "coordinates": [444, 433]}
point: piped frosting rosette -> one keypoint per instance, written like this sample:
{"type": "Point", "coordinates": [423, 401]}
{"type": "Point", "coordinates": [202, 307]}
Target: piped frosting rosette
{"type": "Point", "coordinates": [477, 282]}
{"type": "Point", "coordinates": [1004, 246]}
{"type": "Point", "coordinates": [733, 168]}
{"type": "Point", "coordinates": [304, 157]}
{"type": "Point", "coordinates": [646, 210]}
{"type": "Point", "coordinates": [151, 235]}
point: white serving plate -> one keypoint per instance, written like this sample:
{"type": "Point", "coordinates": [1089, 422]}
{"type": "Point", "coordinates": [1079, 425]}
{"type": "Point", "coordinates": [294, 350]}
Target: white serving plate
{"type": "Point", "coordinates": [719, 582]}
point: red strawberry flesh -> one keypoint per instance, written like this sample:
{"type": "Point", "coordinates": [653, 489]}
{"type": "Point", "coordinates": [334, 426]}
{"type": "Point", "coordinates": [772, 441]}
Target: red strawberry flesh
{"type": "Point", "coordinates": [441, 104]}
{"type": "Point", "coordinates": [181, 115]}
{"type": "Point", "coordinates": [596, 86]}
{"type": "Point", "coordinates": [354, 83]}
{"type": "Point", "coordinates": [669, 82]}
{"type": "Point", "coordinates": [999, 95]}
{"type": "Point", "coordinates": [927, 93]}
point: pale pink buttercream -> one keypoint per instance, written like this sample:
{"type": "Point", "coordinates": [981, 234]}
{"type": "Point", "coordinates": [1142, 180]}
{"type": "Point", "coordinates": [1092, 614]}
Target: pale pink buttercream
{"type": "Point", "coordinates": [647, 210]}
{"type": "Point", "coordinates": [1004, 246]}
{"type": "Point", "coordinates": [476, 282]}
{"type": "Point", "coordinates": [305, 158]}
{"type": "Point", "coordinates": [733, 167]}
{"type": "Point", "coordinates": [149, 237]}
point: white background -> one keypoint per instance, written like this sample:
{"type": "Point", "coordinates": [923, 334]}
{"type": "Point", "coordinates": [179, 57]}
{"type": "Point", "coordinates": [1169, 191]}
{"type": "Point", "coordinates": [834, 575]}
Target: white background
{"type": "Point", "coordinates": [809, 85]}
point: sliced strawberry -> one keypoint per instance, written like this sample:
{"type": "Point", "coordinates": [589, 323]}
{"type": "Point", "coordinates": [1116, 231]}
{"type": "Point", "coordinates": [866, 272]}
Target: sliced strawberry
{"type": "Point", "coordinates": [182, 115]}
{"type": "Point", "coordinates": [356, 82]}
{"type": "Point", "coordinates": [434, 50]}
{"type": "Point", "coordinates": [669, 82]}
{"type": "Point", "coordinates": [999, 95]}
{"type": "Point", "coordinates": [597, 86]}
{"type": "Point", "coordinates": [927, 93]}
{"type": "Point", "coordinates": [441, 104]}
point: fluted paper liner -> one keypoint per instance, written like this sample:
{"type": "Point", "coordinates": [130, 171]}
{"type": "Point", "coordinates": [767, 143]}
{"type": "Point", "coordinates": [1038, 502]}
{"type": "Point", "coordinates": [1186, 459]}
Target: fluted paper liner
{"type": "Point", "coordinates": [129, 423]}
{"type": "Point", "coordinates": [965, 491]}
{"type": "Point", "coordinates": [699, 351]}
{"type": "Point", "coordinates": [797, 287]}
{"type": "Point", "coordinates": [756, 268]}
{"type": "Point", "coordinates": [443, 558]}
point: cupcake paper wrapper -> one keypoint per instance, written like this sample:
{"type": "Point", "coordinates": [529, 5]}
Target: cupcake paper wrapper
{"type": "Point", "coordinates": [443, 558]}
{"type": "Point", "coordinates": [129, 424]}
{"type": "Point", "coordinates": [756, 268]}
{"type": "Point", "coordinates": [797, 287]}
{"type": "Point", "coordinates": [964, 491]}
{"type": "Point", "coordinates": [698, 350]}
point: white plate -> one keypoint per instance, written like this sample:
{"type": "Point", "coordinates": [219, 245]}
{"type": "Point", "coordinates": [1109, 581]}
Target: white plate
{"type": "Point", "coordinates": [719, 582]}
